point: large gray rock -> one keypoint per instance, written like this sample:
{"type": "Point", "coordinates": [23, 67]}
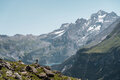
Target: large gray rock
{"type": "Point", "coordinates": [17, 76]}
{"type": "Point", "coordinates": [42, 75]}
{"type": "Point", "coordinates": [9, 73]}
{"type": "Point", "coordinates": [49, 73]}
{"type": "Point", "coordinates": [31, 69]}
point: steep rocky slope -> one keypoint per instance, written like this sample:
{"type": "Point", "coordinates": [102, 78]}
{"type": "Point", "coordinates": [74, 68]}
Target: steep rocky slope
{"type": "Point", "coordinates": [19, 71]}
{"type": "Point", "coordinates": [100, 62]}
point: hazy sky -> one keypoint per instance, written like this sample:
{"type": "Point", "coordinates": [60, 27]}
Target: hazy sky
{"type": "Point", "coordinates": [42, 16]}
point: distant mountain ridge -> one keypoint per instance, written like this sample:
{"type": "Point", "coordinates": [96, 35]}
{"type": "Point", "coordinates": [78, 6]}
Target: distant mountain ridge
{"type": "Point", "coordinates": [58, 45]}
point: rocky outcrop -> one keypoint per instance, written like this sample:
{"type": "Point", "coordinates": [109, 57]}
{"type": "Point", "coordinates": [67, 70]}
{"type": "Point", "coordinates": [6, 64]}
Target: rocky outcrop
{"type": "Point", "coordinates": [48, 72]}
{"type": "Point", "coordinates": [20, 71]}
{"type": "Point", "coordinates": [42, 75]}
{"type": "Point", "coordinates": [31, 69]}
{"type": "Point", "coordinates": [17, 76]}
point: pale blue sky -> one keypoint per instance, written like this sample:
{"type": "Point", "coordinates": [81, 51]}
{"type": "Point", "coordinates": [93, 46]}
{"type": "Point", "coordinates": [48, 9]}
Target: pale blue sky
{"type": "Point", "coordinates": [43, 16]}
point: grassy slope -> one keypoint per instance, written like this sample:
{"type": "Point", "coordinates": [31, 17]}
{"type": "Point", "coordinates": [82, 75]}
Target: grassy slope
{"type": "Point", "coordinates": [18, 67]}
{"type": "Point", "coordinates": [113, 40]}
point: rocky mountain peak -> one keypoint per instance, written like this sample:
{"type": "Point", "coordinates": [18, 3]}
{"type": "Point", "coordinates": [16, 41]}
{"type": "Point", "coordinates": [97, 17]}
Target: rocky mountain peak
{"type": "Point", "coordinates": [18, 35]}
{"type": "Point", "coordinates": [113, 14]}
{"type": "Point", "coordinates": [101, 12]}
{"type": "Point", "coordinates": [65, 25]}
{"type": "Point", "coordinates": [80, 21]}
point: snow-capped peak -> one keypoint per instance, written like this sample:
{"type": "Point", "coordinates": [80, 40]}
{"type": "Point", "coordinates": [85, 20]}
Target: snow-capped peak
{"type": "Point", "coordinates": [101, 17]}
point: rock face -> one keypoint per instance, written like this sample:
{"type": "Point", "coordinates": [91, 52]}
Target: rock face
{"type": "Point", "coordinates": [100, 62]}
{"type": "Point", "coordinates": [28, 72]}
{"type": "Point", "coordinates": [56, 46]}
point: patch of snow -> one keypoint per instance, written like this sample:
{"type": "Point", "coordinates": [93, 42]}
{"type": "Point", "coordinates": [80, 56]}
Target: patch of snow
{"type": "Point", "coordinates": [64, 69]}
{"type": "Point", "coordinates": [90, 28]}
{"type": "Point", "coordinates": [94, 28]}
{"type": "Point", "coordinates": [59, 32]}
{"type": "Point", "coordinates": [100, 18]}
{"type": "Point", "coordinates": [83, 37]}
{"type": "Point", "coordinates": [104, 37]}
{"type": "Point", "coordinates": [97, 28]}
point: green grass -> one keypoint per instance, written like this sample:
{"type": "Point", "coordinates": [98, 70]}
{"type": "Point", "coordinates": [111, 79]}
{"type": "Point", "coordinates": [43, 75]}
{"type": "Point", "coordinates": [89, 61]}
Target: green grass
{"type": "Point", "coordinates": [18, 67]}
{"type": "Point", "coordinates": [107, 44]}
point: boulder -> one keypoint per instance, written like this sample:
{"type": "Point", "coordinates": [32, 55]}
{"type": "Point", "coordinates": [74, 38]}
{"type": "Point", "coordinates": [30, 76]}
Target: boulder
{"type": "Point", "coordinates": [37, 65]}
{"type": "Point", "coordinates": [47, 67]}
{"type": "Point", "coordinates": [42, 75]}
{"type": "Point", "coordinates": [7, 65]}
{"type": "Point", "coordinates": [9, 73]}
{"type": "Point", "coordinates": [48, 72]}
{"type": "Point", "coordinates": [24, 73]}
{"type": "Point", "coordinates": [17, 76]}
{"type": "Point", "coordinates": [31, 69]}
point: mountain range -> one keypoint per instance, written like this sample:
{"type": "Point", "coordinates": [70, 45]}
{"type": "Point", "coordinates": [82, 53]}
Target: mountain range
{"type": "Point", "coordinates": [57, 46]}
{"type": "Point", "coordinates": [98, 62]}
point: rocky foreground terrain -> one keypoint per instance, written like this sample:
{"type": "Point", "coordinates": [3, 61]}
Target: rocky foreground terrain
{"type": "Point", "coordinates": [19, 71]}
